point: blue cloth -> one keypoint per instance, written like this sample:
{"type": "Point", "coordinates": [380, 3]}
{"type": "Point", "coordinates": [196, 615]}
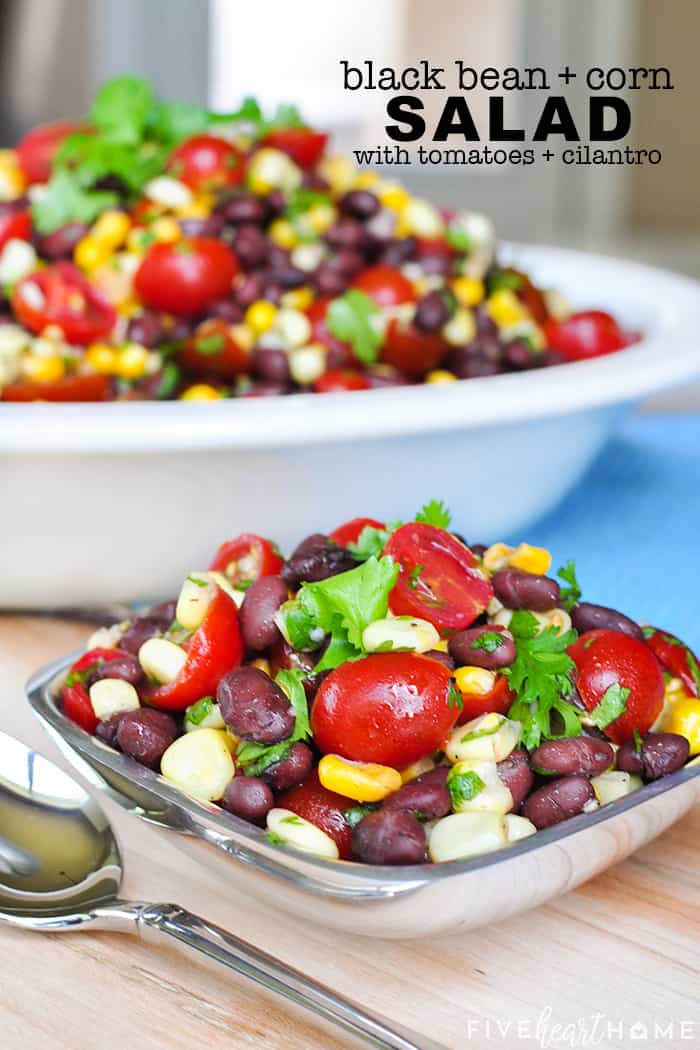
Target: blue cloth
{"type": "Point", "coordinates": [632, 523]}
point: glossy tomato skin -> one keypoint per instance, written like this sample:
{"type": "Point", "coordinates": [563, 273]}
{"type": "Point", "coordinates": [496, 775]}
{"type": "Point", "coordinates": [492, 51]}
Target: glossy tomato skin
{"type": "Point", "coordinates": [605, 658]}
{"type": "Point", "coordinates": [35, 152]}
{"type": "Point", "coordinates": [70, 388]}
{"type": "Point", "coordinates": [205, 162]}
{"type": "Point", "coordinates": [590, 333]}
{"type": "Point", "coordinates": [676, 658]}
{"type": "Point", "coordinates": [351, 531]}
{"type": "Point", "coordinates": [340, 380]}
{"type": "Point", "coordinates": [439, 578]}
{"type": "Point", "coordinates": [392, 708]}
{"type": "Point", "coordinates": [385, 285]}
{"type": "Point", "coordinates": [499, 699]}
{"type": "Point", "coordinates": [186, 277]}
{"type": "Point", "coordinates": [412, 351]}
{"type": "Point", "coordinates": [60, 295]}
{"type": "Point", "coordinates": [212, 349]}
{"type": "Point", "coordinates": [303, 145]}
{"type": "Point", "coordinates": [323, 808]}
{"type": "Point", "coordinates": [78, 707]}
{"type": "Point", "coordinates": [15, 226]}
{"type": "Point", "coordinates": [248, 557]}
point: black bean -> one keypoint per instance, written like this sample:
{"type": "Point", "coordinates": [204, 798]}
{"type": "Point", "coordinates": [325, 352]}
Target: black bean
{"type": "Point", "coordinates": [227, 310]}
{"type": "Point", "coordinates": [328, 280]}
{"type": "Point", "coordinates": [435, 263]}
{"type": "Point", "coordinates": [126, 667]}
{"type": "Point", "coordinates": [107, 730]}
{"type": "Point", "coordinates": [659, 755]}
{"type": "Point", "coordinates": [382, 376]}
{"type": "Point", "coordinates": [288, 276]}
{"type": "Point", "coordinates": [359, 204]}
{"type": "Point", "coordinates": [146, 329]}
{"type": "Point", "coordinates": [249, 798]}
{"type": "Point", "coordinates": [292, 770]}
{"type": "Point", "coordinates": [525, 590]}
{"type": "Point", "coordinates": [397, 252]}
{"type": "Point", "coordinates": [145, 734]}
{"type": "Point", "coordinates": [251, 246]}
{"type": "Point", "coordinates": [276, 201]}
{"type": "Point", "coordinates": [207, 226]}
{"type": "Point", "coordinates": [139, 632]}
{"type": "Point", "coordinates": [558, 801]}
{"type": "Point", "coordinates": [442, 658]}
{"type": "Point", "coordinates": [432, 312]}
{"type": "Point", "coordinates": [426, 796]}
{"type": "Point", "coordinates": [243, 210]}
{"type": "Point", "coordinates": [348, 261]}
{"type": "Point", "coordinates": [588, 617]}
{"type": "Point", "coordinates": [271, 364]}
{"type": "Point", "coordinates": [346, 233]}
{"type": "Point", "coordinates": [266, 388]}
{"type": "Point", "coordinates": [254, 706]}
{"type": "Point", "coordinates": [60, 244]}
{"type": "Point", "coordinates": [518, 354]}
{"type": "Point", "coordinates": [250, 288]}
{"type": "Point", "coordinates": [465, 651]}
{"type": "Point", "coordinates": [255, 616]}
{"type": "Point", "coordinates": [485, 325]}
{"type": "Point", "coordinates": [164, 612]}
{"type": "Point", "coordinates": [283, 656]}
{"type": "Point", "coordinates": [389, 836]}
{"type": "Point", "coordinates": [517, 776]}
{"type": "Point", "coordinates": [179, 329]}
{"type": "Point", "coordinates": [578, 754]}
{"type": "Point", "coordinates": [312, 683]}
{"type": "Point", "coordinates": [316, 558]}
{"type": "Point", "coordinates": [467, 365]}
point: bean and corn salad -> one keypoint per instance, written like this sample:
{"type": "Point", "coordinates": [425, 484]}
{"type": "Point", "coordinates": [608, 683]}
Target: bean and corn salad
{"type": "Point", "coordinates": [157, 250]}
{"type": "Point", "coordinates": [389, 694]}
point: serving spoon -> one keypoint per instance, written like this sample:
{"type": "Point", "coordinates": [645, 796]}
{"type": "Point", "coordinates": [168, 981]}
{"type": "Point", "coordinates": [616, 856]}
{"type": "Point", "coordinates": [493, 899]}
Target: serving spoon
{"type": "Point", "coordinates": [61, 870]}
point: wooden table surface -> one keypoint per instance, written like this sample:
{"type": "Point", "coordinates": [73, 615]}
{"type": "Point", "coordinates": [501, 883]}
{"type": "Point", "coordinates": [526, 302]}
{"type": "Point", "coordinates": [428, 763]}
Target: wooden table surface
{"type": "Point", "coordinates": [623, 948]}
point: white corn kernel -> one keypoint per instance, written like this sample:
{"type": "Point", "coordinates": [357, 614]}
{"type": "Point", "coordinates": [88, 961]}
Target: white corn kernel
{"type": "Point", "coordinates": [614, 784]}
{"type": "Point", "coordinates": [400, 632]}
{"type": "Point", "coordinates": [466, 835]}
{"type": "Point", "coordinates": [416, 769]}
{"type": "Point", "coordinates": [496, 558]}
{"type": "Point", "coordinates": [223, 581]}
{"type": "Point", "coordinates": [199, 763]}
{"type": "Point", "coordinates": [307, 363]}
{"type": "Point", "coordinates": [106, 637]}
{"type": "Point", "coordinates": [196, 595]}
{"type": "Point", "coordinates": [110, 696]}
{"type": "Point", "coordinates": [292, 328]}
{"type": "Point", "coordinates": [271, 169]}
{"type": "Point", "coordinates": [490, 737]}
{"type": "Point", "coordinates": [493, 796]}
{"type": "Point", "coordinates": [518, 828]}
{"type": "Point", "coordinates": [162, 660]}
{"type": "Point", "coordinates": [208, 715]}
{"type": "Point", "coordinates": [307, 257]}
{"type": "Point", "coordinates": [169, 192]}
{"type": "Point", "coordinates": [422, 218]}
{"type": "Point", "coordinates": [558, 306]}
{"type": "Point", "coordinates": [460, 329]}
{"type": "Point", "coordinates": [478, 229]}
{"type": "Point", "coordinates": [17, 260]}
{"type": "Point", "coordinates": [293, 830]}
{"type": "Point", "coordinates": [13, 339]}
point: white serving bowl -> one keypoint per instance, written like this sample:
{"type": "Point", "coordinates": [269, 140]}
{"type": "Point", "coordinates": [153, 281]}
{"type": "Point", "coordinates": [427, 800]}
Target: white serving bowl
{"type": "Point", "coordinates": [117, 501]}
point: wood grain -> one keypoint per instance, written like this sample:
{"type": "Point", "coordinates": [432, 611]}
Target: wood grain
{"type": "Point", "coordinates": [624, 946]}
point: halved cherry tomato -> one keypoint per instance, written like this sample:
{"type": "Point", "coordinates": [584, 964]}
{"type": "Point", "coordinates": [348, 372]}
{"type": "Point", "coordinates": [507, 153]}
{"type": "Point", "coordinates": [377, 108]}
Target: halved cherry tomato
{"type": "Point", "coordinates": [590, 333]}
{"type": "Point", "coordinates": [78, 707]}
{"type": "Point", "coordinates": [205, 162]}
{"type": "Point", "coordinates": [350, 531]}
{"type": "Point", "coordinates": [213, 349]}
{"type": "Point", "coordinates": [392, 708]}
{"type": "Point", "coordinates": [320, 331]}
{"type": "Point", "coordinates": [677, 658]}
{"type": "Point", "coordinates": [439, 580]}
{"type": "Point", "coordinates": [92, 657]}
{"type": "Point", "coordinates": [323, 808]}
{"type": "Point", "coordinates": [70, 388]}
{"type": "Point", "coordinates": [607, 658]}
{"type": "Point", "coordinates": [247, 558]}
{"type": "Point", "coordinates": [59, 295]}
{"type": "Point", "coordinates": [385, 285]}
{"type": "Point", "coordinates": [15, 226]}
{"type": "Point", "coordinates": [426, 246]}
{"type": "Point", "coordinates": [499, 699]}
{"type": "Point", "coordinates": [214, 650]}
{"type": "Point", "coordinates": [303, 145]}
{"type": "Point", "coordinates": [185, 277]}
{"type": "Point", "coordinates": [338, 380]}
{"type": "Point", "coordinates": [410, 350]}
{"type": "Point", "coordinates": [35, 152]}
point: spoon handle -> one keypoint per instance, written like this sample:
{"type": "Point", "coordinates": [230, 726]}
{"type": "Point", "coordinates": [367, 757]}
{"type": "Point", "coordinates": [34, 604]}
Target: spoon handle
{"type": "Point", "coordinates": [268, 973]}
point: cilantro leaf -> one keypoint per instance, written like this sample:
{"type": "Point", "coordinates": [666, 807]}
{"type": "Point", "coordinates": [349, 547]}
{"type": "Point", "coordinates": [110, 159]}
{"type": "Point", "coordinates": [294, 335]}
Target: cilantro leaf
{"type": "Point", "coordinates": [122, 107]}
{"type": "Point", "coordinates": [352, 318]}
{"type": "Point", "coordinates": [172, 122]}
{"type": "Point", "coordinates": [348, 602]}
{"type": "Point", "coordinates": [463, 787]}
{"type": "Point", "coordinates": [301, 199]}
{"type": "Point", "coordinates": [372, 541]}
{"type": "Point", "coordinates": [290, 681]}
{"type": "Point", "coordinates": [458, 239]}
{"type": "Point", "coordinates": [274, 838]}
{"type": "Point", "coordinates": [255, 758]}
{"type": "Point", "coordinates": [489, 641]}
{"type": "Point", "coordinates": [638, 741]}
{"type": "Point", "coordinates": [613, 704]}
{"type": "Point", "coordinates": [570, 594]}
{"type": "Point", "coordinates": [500, 280]}
{"type": "Point", "coordinates": [455, 698]}
{"type": "Point", "coordinates": [196, 713]}
{"type": "Point", "coordinates": [355, 814]}
{"type": "Point", "coordinates": [65, 200]}
{"type": "Point", "coordinates": [434, 513]}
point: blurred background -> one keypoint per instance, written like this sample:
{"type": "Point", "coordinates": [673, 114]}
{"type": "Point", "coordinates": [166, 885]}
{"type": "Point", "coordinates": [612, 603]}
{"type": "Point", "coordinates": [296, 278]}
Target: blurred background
{"type": "Point", "coordinates": [53, 53]}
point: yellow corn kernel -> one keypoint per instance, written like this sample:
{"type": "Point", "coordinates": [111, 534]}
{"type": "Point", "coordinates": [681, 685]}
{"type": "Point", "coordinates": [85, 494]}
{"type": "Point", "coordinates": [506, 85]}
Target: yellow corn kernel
{"type": "Point", "coordinates": [474, 681]}
{"type": "Point", "coordinates": [131, 361]}
{"type": "Point", "coordinates": [260, 316]}
{"type": "Point", "coordinates": [297, 299]}
{"type": "Point", "coordinates": [111, 227]}
{"type": "Point", "coordinates": [530, 559]}
{"type": "Point", "coordinates": [320, 217]}
{"type": "Point", "coordinates": [366, 180]}
{"type": "Point", "coordinates": [461, 328]}
{"type": "Point", "coordinates": [166, 230]}
{"type": "Point", "coordinates": [440, 375]}
{"type": "Point", "coordinates": [101, 357]}
{"type": "Point", "coordinates": [242, 336]}
{"type": "Point", "coordinates": [129, 307]}
{"type": "Point", "coordinates": [43, 369]}
{"type": "Point", "coordinates": [138, 240]}
{"type": "Point", "coordinates": [262, 665]}
{"type": "Point", "coordinates": [362, 781]}
{"type": "Point", "coordinates": [393, 196]}
{"type": "Point", "coordinates": [505, 308]}
{"type": "Point", "coordinates": [497, 557]}
{"type": "Point", "coordinates": [12, 180]}
{"type": "Point", "coordinates": [441, 646]}
{"type": "Point", "coordinates": [91, 253]}
{"type": "Point", "coordinates": [282, 233]}
{"type": "Point", "coordinates": [339, 173]}
{"type": "Point", "coordinates": [684, 719]}
{"type": "Point", "coordinates": [201, 392]}
{"type": "Point", "coordinates": [416, 769]}
{"type": "Point", "coordinates": [271, 169]}
{"type": "Point", "coordinates": [194, 209]}
{"type": "Point", "coordinates": [469, 291]}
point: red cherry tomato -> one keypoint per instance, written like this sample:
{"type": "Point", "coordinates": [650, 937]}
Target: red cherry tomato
{"type": "Point", "coordinates": [93, 657]}
{"type": "Point", "coordinates": [427, 246]}
{"type": "Point", "coordinates": [499, 699]}
{"type": "Point", "coordinates": [590, 333]}
{"type": "Point", "coordinates": [392, 708]}
{"type": "Point", "coordinates": [412, 351]}
{"type": "Point", "coordinates": [185, 277]}
{"type": "Point", "coordinates": [70, 388]}
{"type": "Point", "coordinates": [323, 808]}
{"type": "Point", "coordinates": [676, 658]}
{"type": "Point", "coordinates": [385, 285]}
{"type": "Point", "coordinates": [59, 295]}
{"type": "Point", "coordinates": [215, 649]}
{"type": "Point", "coordinates": [606, 658]}
{"type": "Point", "coordinates": [247, 557]}
{"type": "Point", "coordinates": [303, 145]}
{"type": "Point", "coordinates": [15, 226]}
{"type": "Point", "coordinates": [439, 580]}
{"type": "Point", "coordinates": [338, 380]}
{"type": "Point", "coordinates": [35, 152]}
{"type": "Point", "coordinates": [78, 707]}
{"type": "Point", "coordinates": [213, 349]}
{"type": "Point", "coordinates": [320, 331]}
{"type": "Point", "coordinates": [350, 532]}
{"type": "Point", "coordinates": [206, 162]}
